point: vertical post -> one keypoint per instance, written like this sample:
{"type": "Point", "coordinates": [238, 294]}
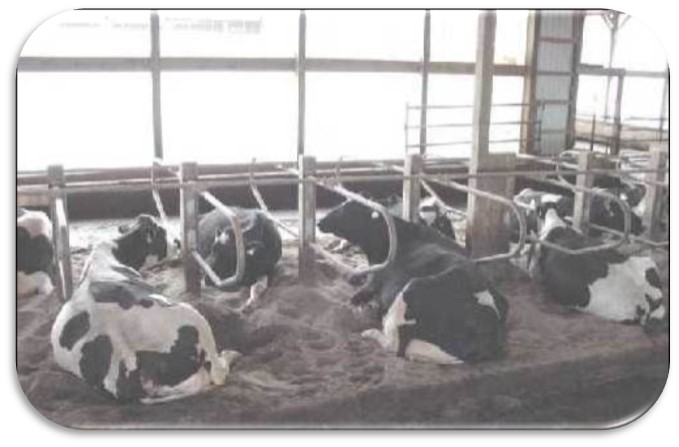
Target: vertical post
{"type": "Point", "coordinates": [486, 233]}
{"type": "Point", "coordinates": [578, 20]}
{"type": "Point", "coordinates": [61, 239]}
{"type": "Point", "coordinates": [612, 22]}
{"type": "Point", "coordinates": [663, 106]}
{"type": "Point", "coordinates": [483, 85]}
{"type": "Point", "coordinates": [155, 79]}
{"type": "Point", "coordinates": [581, 205]}
{"type": "Point", "coordinates": [654, 194]}
{"type": "Point", "coordinates": [301, 83]}
{"type": "Point", "coordinates": [529, 111]}
{"type": "Point", "coordinates": [592, 134]}
{"type": "Point", "coordinates": [306, 197]}
{"type": "Point", "coordinates": [411, 187]}
{"type": "Point", "coordinates": [189, 224]}
{"type": "Point", "coordinates": [617, 120]}
{"type": "Point", "coordinates": [426, 51]}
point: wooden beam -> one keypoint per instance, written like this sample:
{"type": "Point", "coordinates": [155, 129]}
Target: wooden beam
{"type": "Point", "coordinates": [411, 188]}
{"type": "Point", "coordinates": [617, 116]}
{"type": "Point", "coordinates": [529, 111]}
{"type": "Point", "coordinates": [577, 33]}
{"type": "Point", "coordinates": [301, 83]}
{"type": "Point", "coordinates": [582, 201]}
{"type": "Point", "coordinates": [424, 90]}
{"type": "Point", "coordinates": [306, 206]}
{"type": "Point", "coordinates": [188, 216]}
{"type": "Point", "coordinates": [486, 232]}
{"type": "Point", "coordinates": [156, 93]}
{"type": "Point", "coordinates": [483, 85]}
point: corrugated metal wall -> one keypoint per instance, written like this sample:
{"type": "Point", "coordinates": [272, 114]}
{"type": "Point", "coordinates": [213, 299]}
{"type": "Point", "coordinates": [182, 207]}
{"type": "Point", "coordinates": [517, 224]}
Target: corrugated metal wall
{"type": "Point", "coordinates": [556, 44]}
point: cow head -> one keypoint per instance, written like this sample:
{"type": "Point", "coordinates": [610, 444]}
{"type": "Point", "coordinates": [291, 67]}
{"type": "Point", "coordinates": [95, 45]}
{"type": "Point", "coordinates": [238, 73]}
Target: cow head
{"type": "Point", "coordinates": [222, 258]}
{"type": "Point", "coordinates": [359, 225]}
{"type": "Point", "coordinates": [651, 312]}
{"type": "Point", "coordinates": [144, 243]}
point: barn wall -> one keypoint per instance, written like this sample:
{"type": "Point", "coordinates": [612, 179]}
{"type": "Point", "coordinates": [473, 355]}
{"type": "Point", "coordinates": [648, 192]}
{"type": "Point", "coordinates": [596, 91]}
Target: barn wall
{"type": "Point", "coordinates": [557, 44]}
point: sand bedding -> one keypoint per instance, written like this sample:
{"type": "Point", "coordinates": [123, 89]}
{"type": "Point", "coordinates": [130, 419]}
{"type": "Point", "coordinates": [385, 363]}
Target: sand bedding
{"type": "Point", "coordinates": [305, 364]}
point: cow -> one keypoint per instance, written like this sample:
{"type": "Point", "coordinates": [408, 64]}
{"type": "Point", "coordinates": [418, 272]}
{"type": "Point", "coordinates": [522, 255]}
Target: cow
{"type": "Point", "coordinates": [120, 336]}
{"type": "Point", "coordinates": [263, 249]}
{"type": "Point", "coordinates": [602, 211]}
{"type": "Point", "coordinates": [430, 213]}
{"type": "Point", "coordinates": [434, 304]}
{"type": "Point", "coordinates": [35, 254]}
{"type": "Point", "coordinates": [604, 283]}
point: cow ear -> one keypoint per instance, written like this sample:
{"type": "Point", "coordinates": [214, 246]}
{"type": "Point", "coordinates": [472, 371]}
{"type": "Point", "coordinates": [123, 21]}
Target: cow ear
{"type": "Point", "coordinates": [123, 228]}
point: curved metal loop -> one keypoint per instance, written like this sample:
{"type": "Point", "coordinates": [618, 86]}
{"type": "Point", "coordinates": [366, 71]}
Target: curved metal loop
{"type": "Point", "coordinates": [240, 245]}
{"type": "Point", "coordinates": [514, 252]}
{"type": "Point", "coordinates": [388, 219]}
{"type": "Point", "coordinates": [606, 246]}
{"type": "Point", "coordinates": [155, 192]}
{"type": "Point", "coordinates": [460, 215]}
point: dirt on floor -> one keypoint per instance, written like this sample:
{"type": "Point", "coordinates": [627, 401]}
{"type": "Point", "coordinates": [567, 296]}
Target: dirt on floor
{"type": "Point", "coordinates": [306, 365]}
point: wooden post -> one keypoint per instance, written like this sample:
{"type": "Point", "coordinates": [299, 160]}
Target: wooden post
{"type": "Point", "coordinates": [655, 195]}
{"type": "Point", "coordinates": [529, 112]}
{"type": "Point", "coordinates": [483, 85]}
{"type": "Point", "coordinates": [61, 239]}
{"type": "Point", "coordinates": [411, 187]}
{"type": "Point", "coordinates": [189, 201]}
{"type": "Point", "coordinates": [582, 201]}
{"type": "Point", "coordinates": [306, 206]}
{"type": "Point", "coordinates": [577, 35]}
{"type": "Point", "coordinates": [486, 233]}
{"type": "Point", "coordinates": [155, 79]}
{"type": "Point", "coordinates": [425, 83]}
{"type": "Point", "coordinates": [301, 83]}
{"type": "Point", "coordinates": [617, 123]}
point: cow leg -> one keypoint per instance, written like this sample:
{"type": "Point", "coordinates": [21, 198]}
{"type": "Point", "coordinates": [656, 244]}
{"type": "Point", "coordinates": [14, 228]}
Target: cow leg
{"type": "Point", "coordinates": [422, 351]}
{"type": "Point", "coordinates": [380, 337]}
{"type": "Point", "coordinates": [256, 291]}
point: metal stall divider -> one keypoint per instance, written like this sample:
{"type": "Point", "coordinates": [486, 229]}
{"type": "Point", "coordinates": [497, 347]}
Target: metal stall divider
{"type": "Point", "coordinates": [60, 231]}
{"type": "Point", "coordinates": [193, 262]}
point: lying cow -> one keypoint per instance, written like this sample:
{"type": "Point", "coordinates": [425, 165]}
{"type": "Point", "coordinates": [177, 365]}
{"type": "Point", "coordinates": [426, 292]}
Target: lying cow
{"type": "Point", "coordinates": [430, 213]}
{"type": "Point", "coordinates": [35, 255]}
{"type": "Point", "coordinates": [602, 212]}
{"type": "Point", "coordinates": [263, 248]}
{"type": "Point", "coordinates": [605, 283]}
{"type": "Point", "coordinates": [119, 335]}
{"type": "Point", "coordinates": [434, 303]}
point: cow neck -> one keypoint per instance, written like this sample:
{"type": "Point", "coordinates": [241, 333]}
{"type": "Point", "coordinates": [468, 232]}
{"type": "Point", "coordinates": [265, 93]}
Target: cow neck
{"type": "Point", "coordinates": [377, 248]}
{"type": "Point", "coordinates": [128, 250]}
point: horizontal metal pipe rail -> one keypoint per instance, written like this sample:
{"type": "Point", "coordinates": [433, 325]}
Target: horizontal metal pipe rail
{"type": "Point", "coordinates": [240, 245]}
{"type": "Point", "coordinates": [388, 219]}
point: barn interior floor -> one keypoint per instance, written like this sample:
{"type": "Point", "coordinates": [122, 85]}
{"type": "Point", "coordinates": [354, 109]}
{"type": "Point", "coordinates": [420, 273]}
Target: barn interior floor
{"type": "Point", "coordinates": [306, 365]}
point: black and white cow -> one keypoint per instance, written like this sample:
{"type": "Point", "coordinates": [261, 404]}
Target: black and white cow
{"type": "Point", "coordinates": [602, 211]}
{"type": "Point", "coordinates": [263, 248]}
{"type": "Point", "coordinates": [434, 304]}
{"type": "Point", "coordinates": [119, 335]}
{"type": "Point", "coordinates": [35, 255]}
{"type": "Point", "coordinates": [605, 283]}
{"type": "Point", "coordinates": [429, 213]}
